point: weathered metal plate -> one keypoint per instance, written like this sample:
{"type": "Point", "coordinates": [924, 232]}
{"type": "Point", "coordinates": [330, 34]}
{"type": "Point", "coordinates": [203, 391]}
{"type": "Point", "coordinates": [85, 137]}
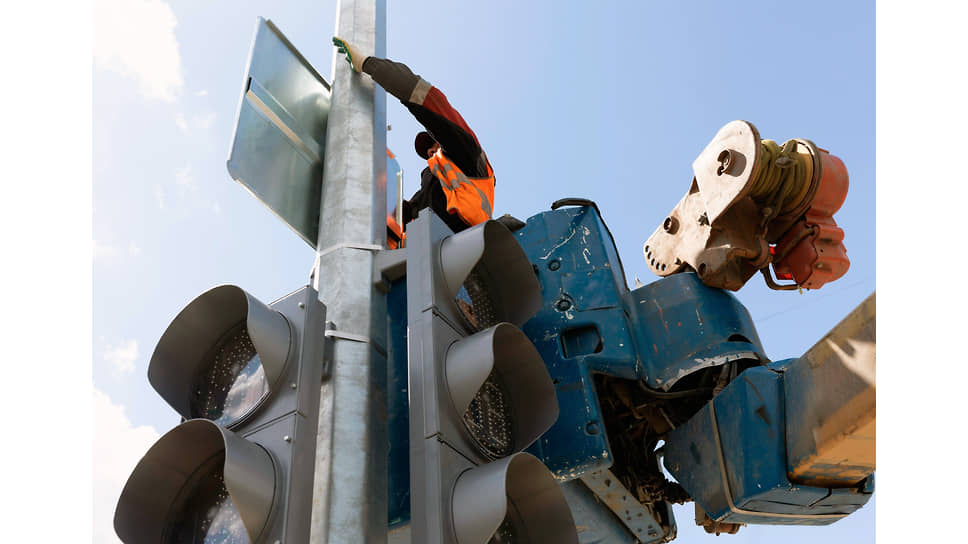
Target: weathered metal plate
{"type": "Point", "coordinates": [280, 133]}
{"type": "Point", "coordinates": [724, 168]}
{"type": "Point", "coordinates": [639, 520]}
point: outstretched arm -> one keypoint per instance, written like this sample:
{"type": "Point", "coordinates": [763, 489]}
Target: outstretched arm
{"type": "Point", "coordinates": [427, 104]}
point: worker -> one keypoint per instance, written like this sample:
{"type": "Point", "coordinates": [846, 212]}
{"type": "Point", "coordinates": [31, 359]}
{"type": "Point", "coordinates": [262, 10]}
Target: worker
{"type": "Point", "coordinates": [458, 183]}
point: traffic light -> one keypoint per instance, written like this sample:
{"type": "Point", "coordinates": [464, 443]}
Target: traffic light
{"type": "Point", "coordinates": [479, 391]}
{"type": "Point", "coordinates": [246, 377]}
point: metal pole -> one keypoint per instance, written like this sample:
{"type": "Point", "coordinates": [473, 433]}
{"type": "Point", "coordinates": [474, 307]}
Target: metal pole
{"type": "Point", "coordinates": [350, 478]}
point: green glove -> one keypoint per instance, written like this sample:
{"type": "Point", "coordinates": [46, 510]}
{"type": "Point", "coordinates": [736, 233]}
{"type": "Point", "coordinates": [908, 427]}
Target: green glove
{"type": "Point", "coordinates": [353, 55]}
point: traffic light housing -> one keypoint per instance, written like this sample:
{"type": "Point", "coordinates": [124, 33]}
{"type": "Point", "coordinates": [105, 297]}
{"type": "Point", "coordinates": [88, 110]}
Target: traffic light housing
{"type": "Point", "coordinates": [245, 378]}
{"type": "Point", "coordinates": [479, 391]}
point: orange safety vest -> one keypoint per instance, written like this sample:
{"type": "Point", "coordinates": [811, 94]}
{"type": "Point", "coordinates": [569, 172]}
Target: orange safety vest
{"type": "Point", "coordinates": [472, 199]}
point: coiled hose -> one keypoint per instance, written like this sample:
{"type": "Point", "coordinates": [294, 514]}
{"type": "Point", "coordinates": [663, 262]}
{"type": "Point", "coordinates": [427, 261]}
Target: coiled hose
{"type": "Point", "coordinates": [781, 182]}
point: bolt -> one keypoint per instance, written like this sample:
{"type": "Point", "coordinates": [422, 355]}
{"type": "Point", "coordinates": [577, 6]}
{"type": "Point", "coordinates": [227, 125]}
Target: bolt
{"type": "Point", "coordinates": [591, 428]}
{"type": "Point", "coordinates": [725, 162]}
{"type": "Point", "coordinates": [292, 385]}
{"type": "Point", "coordinates": [670, 225]}
{"type": "Point", "coordinates": [301, 305]}
{"type": "Point", "coordinates": [554, 265]}
{"type": "Point", "coordinates": [287, 438]}
{"type": "Point", "coordinates": [563, 305]}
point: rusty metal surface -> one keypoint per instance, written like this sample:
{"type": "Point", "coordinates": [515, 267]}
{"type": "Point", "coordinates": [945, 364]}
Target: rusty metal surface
{"type": "Point", "coordinates": [712, 526]}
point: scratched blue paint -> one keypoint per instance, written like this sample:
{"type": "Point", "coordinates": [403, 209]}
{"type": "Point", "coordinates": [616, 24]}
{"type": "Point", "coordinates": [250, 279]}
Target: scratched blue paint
{"type": "Point", "coordinates": [581, 328]}
{"type": "Point", "coordinates": [751, 418]}
{"type": "Point", "coordinates": [658, 332]}
{"type": "Point", "coordinates": [681, 325]}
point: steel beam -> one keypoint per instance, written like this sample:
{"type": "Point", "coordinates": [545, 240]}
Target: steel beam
{"type": "Point", "coordinates": [831, 404]}
{"type": "Point", "coordinates": [350, 478]}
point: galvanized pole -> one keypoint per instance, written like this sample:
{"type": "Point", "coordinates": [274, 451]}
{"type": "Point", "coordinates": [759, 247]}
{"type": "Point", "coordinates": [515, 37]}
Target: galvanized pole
{"type": "Point", "coordinates": [350, 479]}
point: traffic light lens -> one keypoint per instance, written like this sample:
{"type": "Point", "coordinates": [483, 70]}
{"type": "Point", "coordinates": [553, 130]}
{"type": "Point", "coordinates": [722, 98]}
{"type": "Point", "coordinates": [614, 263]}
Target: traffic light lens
{"type": "Point", "coordinates": [209, 516]}
{"type": "Point", "coordinates": [489, 418]}
{"type": "Point", "coordinates": [234, 384]}
{"type": "Point", "coordinates": [509, 530]}
{"type": "Point", "coordinates": [475, 302]}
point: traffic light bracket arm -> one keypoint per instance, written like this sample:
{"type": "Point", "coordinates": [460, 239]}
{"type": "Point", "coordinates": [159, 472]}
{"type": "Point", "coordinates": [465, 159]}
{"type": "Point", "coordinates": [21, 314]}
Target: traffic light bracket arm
{"type": "Point", "coordinates": [388, 266]}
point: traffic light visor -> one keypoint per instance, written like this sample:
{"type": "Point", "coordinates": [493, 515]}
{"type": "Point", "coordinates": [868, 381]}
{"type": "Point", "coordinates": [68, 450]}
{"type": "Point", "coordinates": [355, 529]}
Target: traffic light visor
{"type": "Point", "coordinates": [515, 499]}
{"type": "Point", "coordinates": [221, 356]}
{"type": "Point", "coordinates": [488, 276]}
{"type": "Point", "coordinates": [198, 483]}
{"type": "Point", "coordinates": [500, 385]}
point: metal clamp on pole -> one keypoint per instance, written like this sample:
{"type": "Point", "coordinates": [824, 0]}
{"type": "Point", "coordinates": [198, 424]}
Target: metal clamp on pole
{"type": "Point", "coordinates": [350, 245]}
{"type": "Point", "coordinates": [331, 333]}
{"type": "Point", "coordinates": [344, 245]}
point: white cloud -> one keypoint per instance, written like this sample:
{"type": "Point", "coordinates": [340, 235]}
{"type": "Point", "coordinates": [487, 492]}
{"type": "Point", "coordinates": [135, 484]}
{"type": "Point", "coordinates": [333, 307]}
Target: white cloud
{"type": "Point", "coordinates": [136, 38]}
{"type": "Point", "coordinates": [197, 122]}
{"type": "Point", "coordinates": [122, 357]}
{"type": "Point", "coordinates": [204, 121]}
{"type": "Point", "coordinates": [182, 191]}
{"type": "Point", "coordinates": [118, 446]}
{"type": "Point", "coordinates": [134, 250]}
{"type": "Point", "coordinates": [202, 92]}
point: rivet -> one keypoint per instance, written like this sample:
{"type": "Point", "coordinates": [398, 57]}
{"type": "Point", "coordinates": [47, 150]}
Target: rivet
{"type": "Point", "coordinates": [287, 438]}
{"type": "Point", "coordinates": [292, 385]}
{"type": "Point", "coordinates": [302, 305]}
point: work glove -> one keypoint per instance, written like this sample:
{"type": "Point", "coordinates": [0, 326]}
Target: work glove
{"type": "Point", "coordinates": [353, 55]}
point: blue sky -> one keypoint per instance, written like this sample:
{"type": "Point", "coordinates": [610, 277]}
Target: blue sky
{"type": "Point", "coordinates": [609, 101]}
